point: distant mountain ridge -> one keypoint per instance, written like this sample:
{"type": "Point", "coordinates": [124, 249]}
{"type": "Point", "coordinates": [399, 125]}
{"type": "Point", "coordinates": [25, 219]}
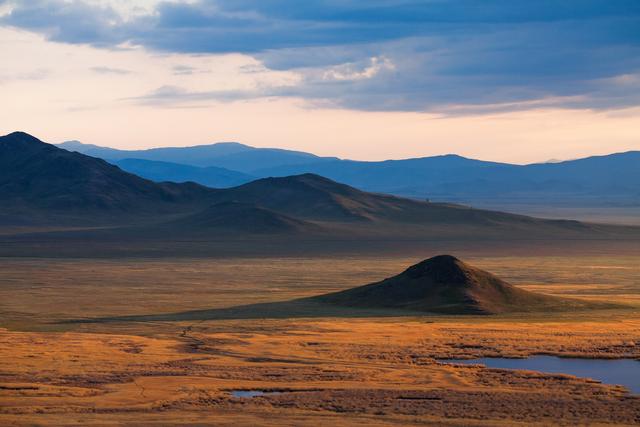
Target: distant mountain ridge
{"type": "Point", "coordinates": [227, 155]}
{"type": "Point", "coordinates": [613, 177]}
{"type": "Point", "coordinates": [609, 180]}
{"type": "Point", "coordinates": [158, 171]}
{"type": "Point", "coordinates": [44, 184]}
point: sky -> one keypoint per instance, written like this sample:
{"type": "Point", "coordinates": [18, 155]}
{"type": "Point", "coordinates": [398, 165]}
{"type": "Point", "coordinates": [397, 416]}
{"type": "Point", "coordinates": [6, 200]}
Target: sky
{"type": "Point", "coordinates": [507, 80]}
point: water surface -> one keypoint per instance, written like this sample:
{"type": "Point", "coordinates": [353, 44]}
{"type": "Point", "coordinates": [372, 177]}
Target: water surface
{"type": "Point", "coordinates": [251, 393]}
{"type": "Point", "coordinates": [625, 372]}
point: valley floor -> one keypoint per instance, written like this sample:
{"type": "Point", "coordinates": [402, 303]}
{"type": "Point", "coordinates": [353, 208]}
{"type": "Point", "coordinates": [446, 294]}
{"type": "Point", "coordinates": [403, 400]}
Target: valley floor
{"type": "Point", "coordinates": [327, 370]}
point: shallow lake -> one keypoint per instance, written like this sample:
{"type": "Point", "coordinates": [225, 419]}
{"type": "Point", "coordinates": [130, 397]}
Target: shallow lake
{"type": "Point", "coordinates": [625, 372]}
{"type": "Point", "coordinates": [252, 393]}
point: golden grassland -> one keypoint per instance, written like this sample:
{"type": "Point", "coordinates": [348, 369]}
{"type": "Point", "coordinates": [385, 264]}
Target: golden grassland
{"type": "Point", "coordinates": [328, 370]}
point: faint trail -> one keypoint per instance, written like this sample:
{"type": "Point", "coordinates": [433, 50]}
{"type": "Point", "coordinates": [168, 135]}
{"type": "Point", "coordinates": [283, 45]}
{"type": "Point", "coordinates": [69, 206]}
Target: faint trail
{"type": "Point", "coordinates": [196, 343]}
{"type": "Point", "coordinates": [141, 387]}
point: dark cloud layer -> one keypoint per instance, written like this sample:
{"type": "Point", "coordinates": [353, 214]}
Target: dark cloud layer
{"type": "Point", "coordinates": [388, 54]}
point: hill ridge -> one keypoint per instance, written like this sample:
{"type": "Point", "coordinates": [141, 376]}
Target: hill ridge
{"type": "Point", "coordinates": [42, 178]}
{"type": "Point", "coordinates": [445, 284]}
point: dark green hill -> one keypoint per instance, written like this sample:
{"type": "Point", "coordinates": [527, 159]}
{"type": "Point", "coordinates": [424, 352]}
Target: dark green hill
{"type": "Point", "coordinates": [314, 197]}
{"type": "Point", "coordinates": [444, 284]}
{"type": "Point", "coordinates": [237, 217]}
{"type": "Point", "coordinates": [310, 196]}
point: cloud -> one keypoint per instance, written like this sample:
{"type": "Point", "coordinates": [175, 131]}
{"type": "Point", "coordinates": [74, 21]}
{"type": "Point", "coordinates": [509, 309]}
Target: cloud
{"type": "Point", "coordinates": [171, 96]}
{"type": "Point", "coordinates": [110, 70]}
{"type": "Point", "coordinates": [445, 55]}
{"type": "Point", "coordinates": [188, 70]}
{"type": "Point", "coordinates": [36, 74]}
{"type": "Point", "coordinates": [69, 22]}
{"type": "Point", "coordinates": [350, 73]}
{"type": "Point", "coordinates": [183, 70]}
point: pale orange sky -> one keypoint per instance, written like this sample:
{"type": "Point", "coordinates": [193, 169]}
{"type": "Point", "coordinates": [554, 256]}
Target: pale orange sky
{"type": "Point", "coordinates": [60, 92]}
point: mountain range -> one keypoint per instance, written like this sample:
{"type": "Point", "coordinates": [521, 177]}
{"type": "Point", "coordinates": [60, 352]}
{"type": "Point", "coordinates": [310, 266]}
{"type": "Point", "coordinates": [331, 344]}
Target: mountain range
{"type": "Point", "coordinates": [54, 201]}
{"type": "Point", "coordinates": [227, 155]}
{"type": "Point", "coordinates": [598, 181]}
{"type": "Point", "coordinates": [39, 181]}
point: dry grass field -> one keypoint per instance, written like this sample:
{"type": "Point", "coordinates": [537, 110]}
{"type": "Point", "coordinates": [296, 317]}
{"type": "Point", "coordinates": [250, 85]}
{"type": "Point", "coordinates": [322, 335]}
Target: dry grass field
{"type": "Point", "coordinates": [327, 369]}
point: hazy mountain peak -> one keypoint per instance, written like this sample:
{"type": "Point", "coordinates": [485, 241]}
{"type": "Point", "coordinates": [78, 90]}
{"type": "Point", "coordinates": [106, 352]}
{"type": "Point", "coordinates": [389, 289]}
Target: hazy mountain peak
{"type": "Point", "coordinates": [229, 155]}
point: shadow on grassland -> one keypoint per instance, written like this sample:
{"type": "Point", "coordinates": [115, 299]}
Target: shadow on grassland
{"type": "Point", "coordinates": [299, 308]}
{"type": "Point", "coordinates": [312, 308]}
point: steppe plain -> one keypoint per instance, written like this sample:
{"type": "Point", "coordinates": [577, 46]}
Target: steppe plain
{"type": "Point", "coordinates": [65, 360]}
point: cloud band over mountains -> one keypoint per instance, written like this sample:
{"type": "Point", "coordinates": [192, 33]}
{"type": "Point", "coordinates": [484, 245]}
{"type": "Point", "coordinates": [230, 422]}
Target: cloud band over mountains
{"type": "Point", "coordinates": [391, 55]}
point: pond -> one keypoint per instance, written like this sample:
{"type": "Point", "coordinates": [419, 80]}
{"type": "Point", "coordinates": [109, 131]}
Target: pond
{"type": "Point", "coordinates": [252, 393]}
{"type": "Point", "coordinates": [625, 372]}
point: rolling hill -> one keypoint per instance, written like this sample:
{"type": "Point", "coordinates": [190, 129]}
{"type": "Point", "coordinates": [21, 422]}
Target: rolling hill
{"type": "Point", "coordinates": [314, 197]}
{"type": "Point", "coordinates": [237, 217]}
{"type": "Point", "coordinates": [444, 284]}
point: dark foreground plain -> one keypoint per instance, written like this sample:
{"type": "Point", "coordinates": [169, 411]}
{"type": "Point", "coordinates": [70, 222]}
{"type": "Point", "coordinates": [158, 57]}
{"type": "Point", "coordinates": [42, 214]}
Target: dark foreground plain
{"type": "Point", "coordinates": [60, 366]}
